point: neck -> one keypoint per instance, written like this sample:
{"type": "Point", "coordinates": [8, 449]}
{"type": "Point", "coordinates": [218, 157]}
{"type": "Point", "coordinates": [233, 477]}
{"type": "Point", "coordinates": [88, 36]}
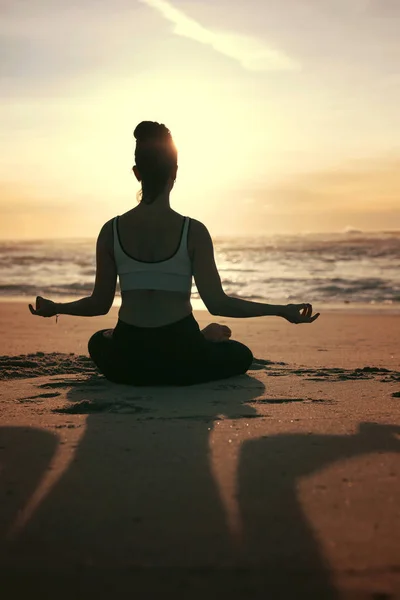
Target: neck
{"type": "Point", "coordinates": [161, 202]}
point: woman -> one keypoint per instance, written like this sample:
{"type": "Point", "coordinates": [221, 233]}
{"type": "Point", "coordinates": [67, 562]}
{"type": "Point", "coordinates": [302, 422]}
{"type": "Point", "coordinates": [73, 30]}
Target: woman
{"type": "Point", "coordinates": [155, 251]}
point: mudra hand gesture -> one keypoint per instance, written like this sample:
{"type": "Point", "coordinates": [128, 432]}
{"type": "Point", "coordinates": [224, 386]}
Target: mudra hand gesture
{"type": "Point", "coordinates": [298, 313]}
{"type": "Point", "coordinates": [44, 307]}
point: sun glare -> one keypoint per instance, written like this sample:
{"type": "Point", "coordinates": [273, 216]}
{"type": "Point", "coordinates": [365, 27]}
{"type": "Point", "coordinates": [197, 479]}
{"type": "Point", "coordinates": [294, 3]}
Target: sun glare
{"type": "Point", "coordinates": [204, 121]}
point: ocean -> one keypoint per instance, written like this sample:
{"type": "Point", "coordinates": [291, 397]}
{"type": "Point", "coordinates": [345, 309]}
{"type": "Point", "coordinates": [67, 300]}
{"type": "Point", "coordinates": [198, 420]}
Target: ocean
{"type": "Point", "coordinates": [352, 268]}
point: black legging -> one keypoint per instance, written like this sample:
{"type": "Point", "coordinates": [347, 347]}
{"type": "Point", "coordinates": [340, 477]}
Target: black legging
{"type": "Point", "coordinates": [176, 354]}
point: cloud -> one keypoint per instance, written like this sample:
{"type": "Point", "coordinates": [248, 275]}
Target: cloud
{"type": "Point", "coordinates": [52, 43]}
{"type": "Point", "coordinates": [361, 186]}
{"type": "Point", "coordinates": [364, 193]}
{"type": "Point", "coordinates": [26, 214]}
{"type": "Point", "coordinates": [251, 53]}
{"type": "Point", "coordinates": [16, 198]}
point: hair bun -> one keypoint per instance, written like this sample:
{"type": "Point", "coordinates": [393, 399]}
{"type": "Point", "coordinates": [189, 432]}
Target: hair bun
{"type": "Point", "coordinates": [151, 131]}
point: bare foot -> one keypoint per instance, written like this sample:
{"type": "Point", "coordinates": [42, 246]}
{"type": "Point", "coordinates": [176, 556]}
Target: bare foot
{"type": "Point", "coordinates": [215, 332]}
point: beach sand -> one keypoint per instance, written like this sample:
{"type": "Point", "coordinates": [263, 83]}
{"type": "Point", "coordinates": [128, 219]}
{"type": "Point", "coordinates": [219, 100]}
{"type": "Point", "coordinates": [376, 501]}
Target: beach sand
{"type": "Point", "coordinates": [282, 483]}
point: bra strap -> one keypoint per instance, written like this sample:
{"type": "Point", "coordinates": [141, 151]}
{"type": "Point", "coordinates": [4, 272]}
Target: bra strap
{"type": "Point", "coordinates": [186, 231]}
{"type": "Point", "coordinates": [115, 234]}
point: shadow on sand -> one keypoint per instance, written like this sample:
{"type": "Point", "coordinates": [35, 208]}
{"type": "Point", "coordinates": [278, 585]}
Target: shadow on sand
{"type": "Point", "coordinates": [138, 510]}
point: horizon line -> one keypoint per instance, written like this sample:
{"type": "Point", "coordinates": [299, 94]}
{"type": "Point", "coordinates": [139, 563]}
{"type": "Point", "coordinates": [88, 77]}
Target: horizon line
{"type": "Point", "coordinates": [350, 232]}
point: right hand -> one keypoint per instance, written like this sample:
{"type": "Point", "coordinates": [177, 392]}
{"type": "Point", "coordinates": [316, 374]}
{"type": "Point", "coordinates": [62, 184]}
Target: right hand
{"type": "Point", "coordinates": [298, 313]}
{"type": "Point", "coordinates": [44, 307]}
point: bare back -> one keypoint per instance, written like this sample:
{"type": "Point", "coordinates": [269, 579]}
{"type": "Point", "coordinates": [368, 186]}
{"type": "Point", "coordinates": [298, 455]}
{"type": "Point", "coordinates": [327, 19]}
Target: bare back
{"type": "Point", "coordinates": [152, 237]}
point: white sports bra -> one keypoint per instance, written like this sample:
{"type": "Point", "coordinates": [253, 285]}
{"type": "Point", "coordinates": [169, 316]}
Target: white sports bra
{"type": "Point", "coordinates": [173, 274]}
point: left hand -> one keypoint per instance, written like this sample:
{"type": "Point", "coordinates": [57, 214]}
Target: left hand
{"type": "Point", "coordinates": [298, 313]}
{"type": "Point", "coordinates": [215, 332]}
{"type": "Point", "coordinates": [44, 307]}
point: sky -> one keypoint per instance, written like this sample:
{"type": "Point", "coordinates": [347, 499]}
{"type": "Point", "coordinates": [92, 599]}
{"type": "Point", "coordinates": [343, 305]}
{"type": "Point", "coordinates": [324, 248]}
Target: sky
{"type": "Point", "coordinates": [284, 112]}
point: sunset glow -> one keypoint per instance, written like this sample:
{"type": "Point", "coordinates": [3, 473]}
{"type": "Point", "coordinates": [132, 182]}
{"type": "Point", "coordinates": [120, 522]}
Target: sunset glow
{"type": "Point", "coordinates": [279, 128]}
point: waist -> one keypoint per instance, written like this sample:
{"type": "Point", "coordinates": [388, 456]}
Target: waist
{"type": "Point", "coordinates": [143, 280]}
{"type": "Point", "coordinates": [186, 328]}
{"type": "Point", "coordinates": [153, 308]}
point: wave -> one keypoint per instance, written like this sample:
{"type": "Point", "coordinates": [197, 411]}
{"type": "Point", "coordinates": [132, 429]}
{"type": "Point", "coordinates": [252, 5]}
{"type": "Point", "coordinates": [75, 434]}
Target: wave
{"type": "Point", "coordinates": [351, 230]}
{"type": "Point", "coordinates": [66, 289]}
{"type": "Point", "coordinates": [293, 293]}
{"type": "Point", "coordinates": [82, 253]}
{"type": "Point", "coordinates": [356, 267]}
{"type": "Point", "coordinates": [346, 244]}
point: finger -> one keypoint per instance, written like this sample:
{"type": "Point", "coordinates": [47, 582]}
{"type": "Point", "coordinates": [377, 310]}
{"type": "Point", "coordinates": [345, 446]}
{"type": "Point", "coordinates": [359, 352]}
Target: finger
{"type": "Point", "coordinates": [310, 319]}
{"type": "Point", "coordinates": [305, 318]}
{"type": "Point", "coordinates": [33, 311]}
{"type": "Point", "coordinates": [306, 308]}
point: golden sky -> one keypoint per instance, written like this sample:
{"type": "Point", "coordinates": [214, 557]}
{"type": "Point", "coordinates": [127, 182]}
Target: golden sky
{"type": "Point", "coordinates": [285, 112]}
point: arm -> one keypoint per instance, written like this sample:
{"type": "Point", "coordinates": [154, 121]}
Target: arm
{"type": "Point", "coordinates": [208, 282]}
{"type": "Point", "coordinates": [100, 302]}
{"type": "Point", "coordinates": [209, 285]}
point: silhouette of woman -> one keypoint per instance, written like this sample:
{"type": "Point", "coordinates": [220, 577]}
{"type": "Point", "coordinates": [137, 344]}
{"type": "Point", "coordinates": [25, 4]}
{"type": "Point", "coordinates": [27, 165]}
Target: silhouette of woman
{"type": "Point", "coordinates": [155, 252]}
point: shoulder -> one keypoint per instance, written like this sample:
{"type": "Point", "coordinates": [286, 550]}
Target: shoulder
{"type": "Point", "coordinates": [107, 230]}
{"type": "Point", "coordinates": [198, 229]}
{"type": "Point", "coordinates": [199, 237]}
{"type": "Point", "coordinates": [105, 238]}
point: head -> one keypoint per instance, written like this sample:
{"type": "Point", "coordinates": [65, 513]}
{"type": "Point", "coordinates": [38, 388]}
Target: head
{"type": "Point", "coordinates": [156, 159]}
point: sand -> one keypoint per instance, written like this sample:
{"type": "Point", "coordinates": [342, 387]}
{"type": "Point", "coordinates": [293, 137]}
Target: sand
{"type": "Point", "coordinates": [282, 483]}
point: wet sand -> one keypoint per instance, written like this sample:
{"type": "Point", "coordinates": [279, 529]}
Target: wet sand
{"type": "Point", "coordinates": [282, 483]}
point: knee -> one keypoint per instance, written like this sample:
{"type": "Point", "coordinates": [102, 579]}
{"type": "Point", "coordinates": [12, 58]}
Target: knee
{"type": "Point", "coordinates": [241, 356]}
{"type": "Point", "coordinates": [246, 358]}
{"type": "Point", "coordinates": [94, 342]}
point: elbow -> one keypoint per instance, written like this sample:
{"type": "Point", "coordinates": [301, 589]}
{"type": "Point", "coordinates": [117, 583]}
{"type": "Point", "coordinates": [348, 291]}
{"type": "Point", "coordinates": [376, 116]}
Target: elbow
{"type": "Point", "coordinates": [104, 310]}
{"type": "Point", "coordinates": [99, 308]}
{"type": "Point", "coordinates": [217, 309]}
